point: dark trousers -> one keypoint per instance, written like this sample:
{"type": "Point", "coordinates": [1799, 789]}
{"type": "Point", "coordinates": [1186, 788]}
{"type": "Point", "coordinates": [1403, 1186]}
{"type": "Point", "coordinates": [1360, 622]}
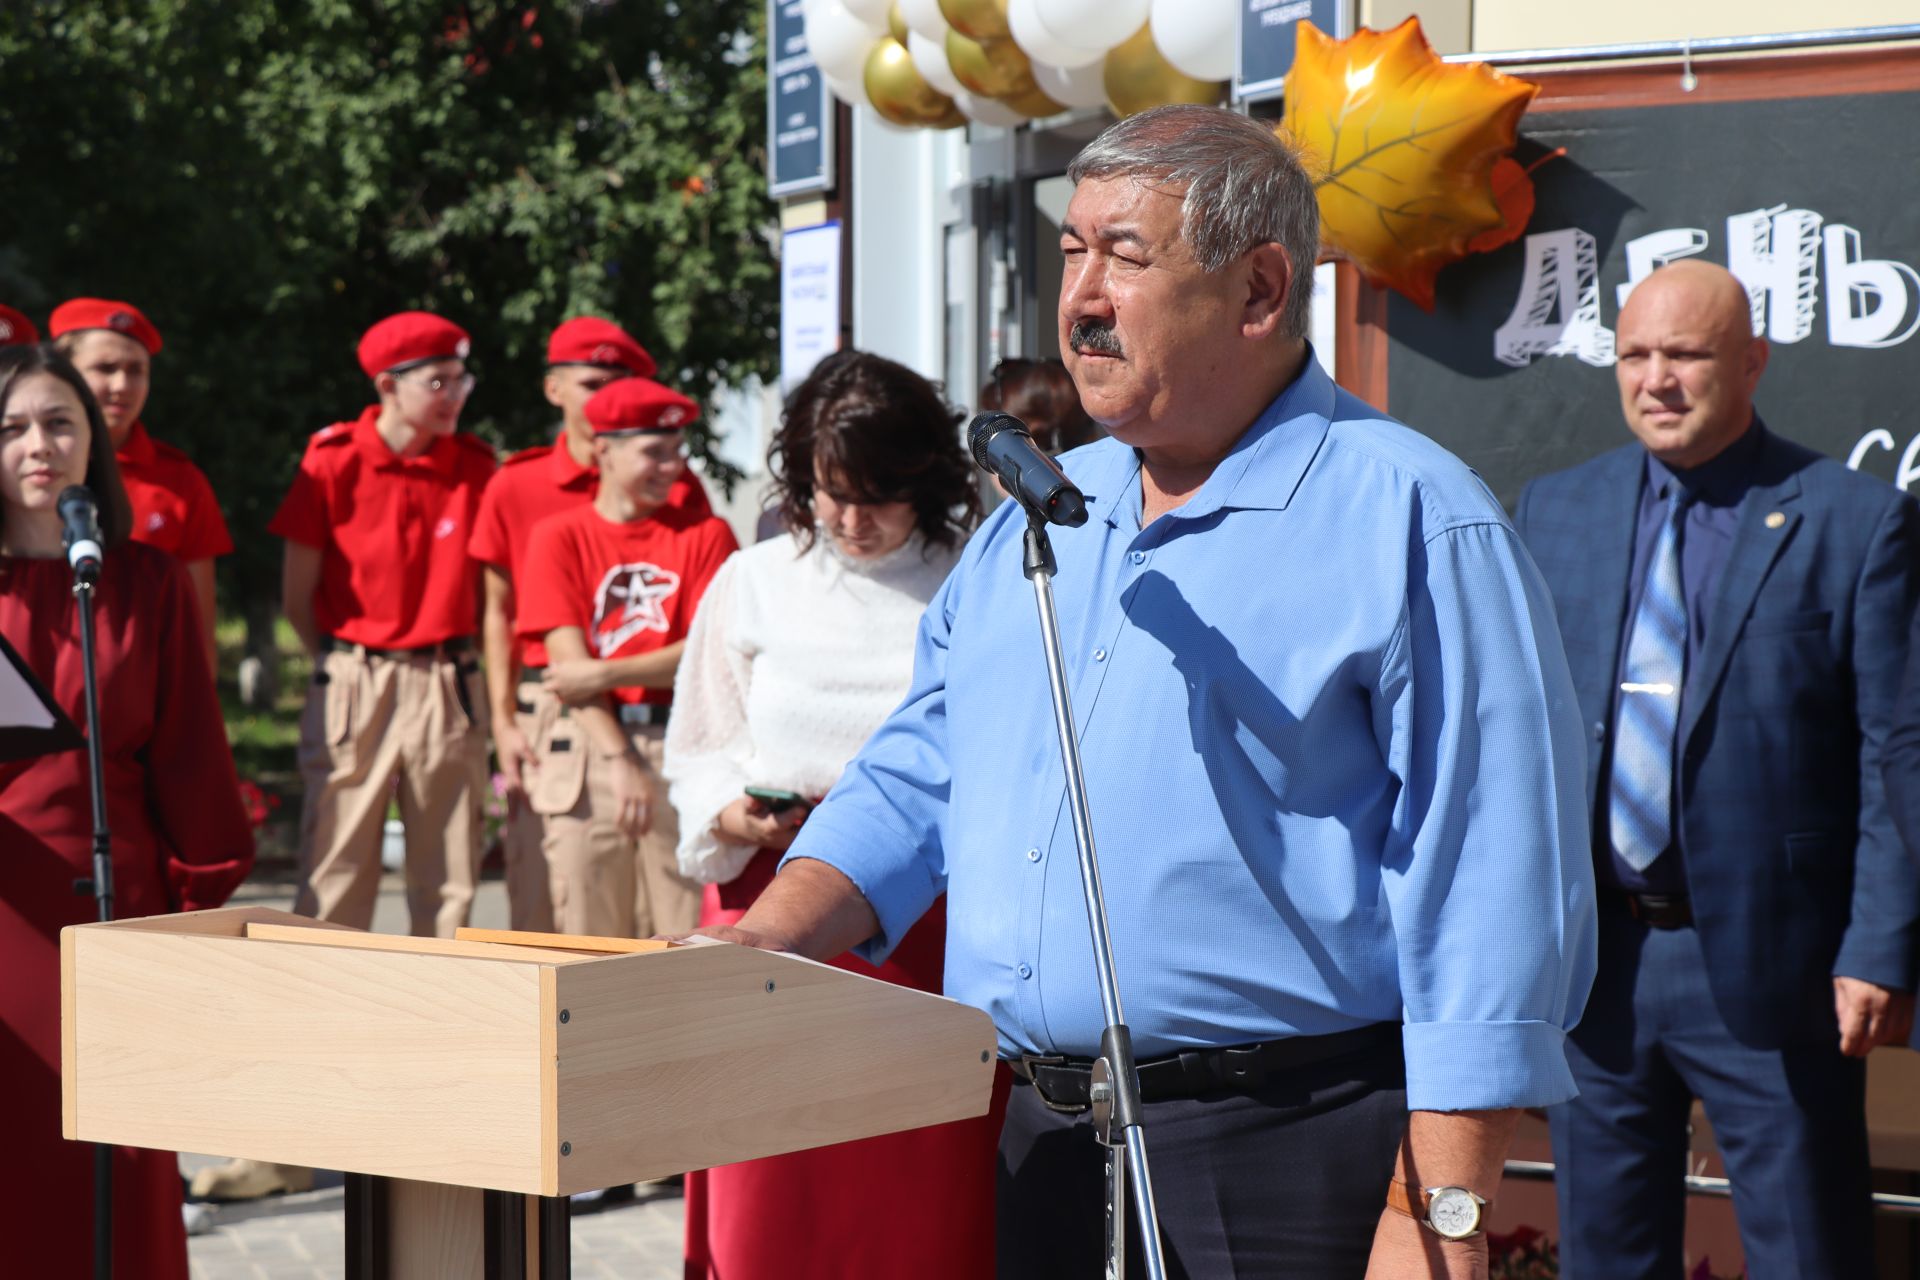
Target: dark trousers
{"type": "Point", "coordinates": [1790, 1122]}
{"type": "Point", "coordinates": [1287, 1181]}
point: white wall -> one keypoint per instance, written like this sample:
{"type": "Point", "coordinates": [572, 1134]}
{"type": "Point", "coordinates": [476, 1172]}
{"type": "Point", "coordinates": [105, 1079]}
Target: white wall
{"type": "Point", "coordinates": [901, 181]}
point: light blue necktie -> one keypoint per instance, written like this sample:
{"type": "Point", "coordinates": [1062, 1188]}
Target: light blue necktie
{"type": "Point", "coordinates": [1641, 808]}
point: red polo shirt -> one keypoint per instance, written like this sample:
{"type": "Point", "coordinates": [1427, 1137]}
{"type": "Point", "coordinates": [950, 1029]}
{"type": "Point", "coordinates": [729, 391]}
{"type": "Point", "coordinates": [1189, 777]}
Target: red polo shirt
{"type": "Point", "coordinates": [632, 587]}
{"type": "Point", "coordinates": [393, 533]}
{"type": "Point", "coordinates": [173, 505]}
{"type": "Point", "coordinates": [532, 485]}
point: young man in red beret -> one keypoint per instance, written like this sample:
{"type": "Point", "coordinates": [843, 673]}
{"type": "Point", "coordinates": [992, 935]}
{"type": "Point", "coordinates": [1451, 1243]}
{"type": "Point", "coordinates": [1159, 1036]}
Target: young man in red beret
{"type": "Point", "coordinates": [583, 355]}
{"type": "Point", "coordinates": [113, 345]}
{"type": "Point", "coordinates": [15, 329]}
{"type": "Point", "coordinates": [378, 584]}
{"type": "Point", "coordinates": [618, 584]}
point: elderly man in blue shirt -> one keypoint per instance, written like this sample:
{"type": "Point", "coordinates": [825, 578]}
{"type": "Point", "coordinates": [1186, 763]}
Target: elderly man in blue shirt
{"type": "Point", "coordinates": [1335, 764]}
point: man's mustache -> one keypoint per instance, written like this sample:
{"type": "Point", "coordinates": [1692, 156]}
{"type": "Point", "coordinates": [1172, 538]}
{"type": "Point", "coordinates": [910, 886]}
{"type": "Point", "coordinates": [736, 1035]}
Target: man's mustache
{"type": "Point", "coordinates": [1090, 335]}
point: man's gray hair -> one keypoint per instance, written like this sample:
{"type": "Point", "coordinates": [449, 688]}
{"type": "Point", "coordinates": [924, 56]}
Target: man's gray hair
{"type": "Point", "coordinates": [1245, 186]}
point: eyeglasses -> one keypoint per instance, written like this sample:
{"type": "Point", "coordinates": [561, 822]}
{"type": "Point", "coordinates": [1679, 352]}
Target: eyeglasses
{"type": "Point", "coordinates": [458, 388]}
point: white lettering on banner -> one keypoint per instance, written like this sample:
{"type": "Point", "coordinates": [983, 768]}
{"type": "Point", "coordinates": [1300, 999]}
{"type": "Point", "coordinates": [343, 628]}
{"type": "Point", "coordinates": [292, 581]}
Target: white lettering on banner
{"type": "Point", "coordinates": [1881, 438]}
{"type": "Point", "coordinates": [1561, 279]}
{"type": "Point", "coordinates": [1646, 254]}
{"type": "Point", "coordinates": [1778, 253]}
{"type": "Point", "coordinates": [1775, 252]}
{"type": "Point", "coordinates": [1867, 298]}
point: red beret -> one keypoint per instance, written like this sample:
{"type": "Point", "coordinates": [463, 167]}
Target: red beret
{"type": "Point", "coordinates": [76, 314]}
{"type": "Point", "coordinates": [591, 340]}
{"type": "Point", "coordinates": [639, 404]}
{"type": "Point", "coordinates": [15, 329]}
{"type": "Point", "coordinates": [410, 338]}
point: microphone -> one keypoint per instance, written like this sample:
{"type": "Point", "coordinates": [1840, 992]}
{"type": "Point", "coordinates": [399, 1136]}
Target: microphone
{"type": "Point", "coordinates": [81, 532]}
{"type": "Point", "coordinates": [1004, 447]}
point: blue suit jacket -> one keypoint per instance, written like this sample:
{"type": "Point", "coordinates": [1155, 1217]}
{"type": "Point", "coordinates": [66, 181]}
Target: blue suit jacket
{"type": "Point", "coordinates": [1796, 871]}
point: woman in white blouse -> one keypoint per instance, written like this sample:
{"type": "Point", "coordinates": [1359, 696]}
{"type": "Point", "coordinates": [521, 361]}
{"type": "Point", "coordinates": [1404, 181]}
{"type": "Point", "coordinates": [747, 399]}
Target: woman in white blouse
{"type": "Point", "coordinates": [802, 646]}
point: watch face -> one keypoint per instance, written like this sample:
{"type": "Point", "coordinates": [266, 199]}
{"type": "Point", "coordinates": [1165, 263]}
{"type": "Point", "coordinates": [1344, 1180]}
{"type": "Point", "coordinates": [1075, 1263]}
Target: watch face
{"type": "Point", "coordinates": [1453, 1212]}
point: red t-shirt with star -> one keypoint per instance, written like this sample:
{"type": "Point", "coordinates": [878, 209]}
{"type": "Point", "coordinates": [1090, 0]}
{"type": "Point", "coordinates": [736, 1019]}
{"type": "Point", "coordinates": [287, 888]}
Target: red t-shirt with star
{"type": "Point", "coordinates": [392, 532]}
{"type": "Point", "coordinates": [631, 587]}
{"type": "Point", "coordinates": [532, 485]}
{"type": "Point", "coordinates": [173, 505]}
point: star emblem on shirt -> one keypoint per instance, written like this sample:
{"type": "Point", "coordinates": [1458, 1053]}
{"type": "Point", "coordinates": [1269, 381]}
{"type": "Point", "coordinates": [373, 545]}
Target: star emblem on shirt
{"type": "Point", "coordinates": [630, 600]}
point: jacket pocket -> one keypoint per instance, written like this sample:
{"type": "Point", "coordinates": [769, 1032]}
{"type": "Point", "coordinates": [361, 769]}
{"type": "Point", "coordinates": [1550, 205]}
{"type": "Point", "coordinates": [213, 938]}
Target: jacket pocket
{"type": "Point", "coordinates": [1760, 624]}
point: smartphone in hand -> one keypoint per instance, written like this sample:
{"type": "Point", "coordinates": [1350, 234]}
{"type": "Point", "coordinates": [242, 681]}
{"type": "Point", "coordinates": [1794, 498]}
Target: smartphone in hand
{"type": "Point", "coordinates": [776, 800]}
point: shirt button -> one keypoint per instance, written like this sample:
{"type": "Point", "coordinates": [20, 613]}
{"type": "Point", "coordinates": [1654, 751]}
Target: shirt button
{"type": "Point", "coordinates": [1099, 655]}
{"type": "Point", "coordinates": [1025, 971]}
{"type": "Point", "coordinates": [1139, 557]}
{"type": "Point", "coordinates": [1033, 855]}
{"type": "Point", "coordinates": [1599, 731]}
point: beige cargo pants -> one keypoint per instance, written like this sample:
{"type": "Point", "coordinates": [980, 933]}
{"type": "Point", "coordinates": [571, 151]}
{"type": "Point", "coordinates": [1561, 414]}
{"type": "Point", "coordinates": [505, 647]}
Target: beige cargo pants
{"type": "Point", "coordinates": [529, 904]}
{"type": "Point", "coordinates": [600, 880]}
{"type": "Point", "coordinates": [405, 728]}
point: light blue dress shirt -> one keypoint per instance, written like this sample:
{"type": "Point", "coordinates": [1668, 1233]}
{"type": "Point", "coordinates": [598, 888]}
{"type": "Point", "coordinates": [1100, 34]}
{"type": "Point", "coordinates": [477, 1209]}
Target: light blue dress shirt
{"type": "Point", "coordinates": [1335, 764]}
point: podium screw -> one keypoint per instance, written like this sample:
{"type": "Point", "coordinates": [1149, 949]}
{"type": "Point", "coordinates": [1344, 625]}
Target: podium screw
{"type": "Point", "coordinates": [983, 1055]}
{"type": "Point", "coordinates": [566, 1148]}
{"type": "Point", "coordinates": [566, 1016]}
{"type": "Point", "coordinates": [769, 984]}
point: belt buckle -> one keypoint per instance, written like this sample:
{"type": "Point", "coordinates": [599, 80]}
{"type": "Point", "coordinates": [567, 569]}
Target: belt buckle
{"type": "Point", "coordinates": [1241, 1065]}
{"type": "Point", "coordinates": [1028, 1061]}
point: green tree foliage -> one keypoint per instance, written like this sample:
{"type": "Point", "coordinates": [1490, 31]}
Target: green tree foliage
{"type": "Point", "coordinates": [265, 178]}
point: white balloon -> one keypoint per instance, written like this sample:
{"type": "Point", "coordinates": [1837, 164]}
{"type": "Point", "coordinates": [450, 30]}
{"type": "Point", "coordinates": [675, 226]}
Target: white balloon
{"type": "Point", "coordinates": [838, 41]}
{"type": "Point", "coordinates": [852, 92]}
{"type": "Point", "coordinates": [925, 17]}
{"type": "Point", "coordinates": [930, 60]}
{"type": "Point", "coordinates": [987, 111]}
{"type": "Point", "coordinates": [1072, 86]}
{"type": "Point", "coordinates": [871, 12]}
{"type": "Point", "coordinates": [1023, 19]}
{"type": "Point", "coordinates": [1082, 23]}
{"type": "Point", "coordinates": [1197, 36]}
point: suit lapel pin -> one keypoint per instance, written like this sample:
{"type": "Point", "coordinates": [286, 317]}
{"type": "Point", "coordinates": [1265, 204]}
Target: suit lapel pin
{"type": "Point", "coordinates": [1775, 519]}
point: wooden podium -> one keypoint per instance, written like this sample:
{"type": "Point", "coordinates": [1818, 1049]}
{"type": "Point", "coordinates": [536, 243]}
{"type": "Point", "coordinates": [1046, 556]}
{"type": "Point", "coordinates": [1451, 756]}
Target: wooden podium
{"type": "Point", "coordinates": [468, 1087]}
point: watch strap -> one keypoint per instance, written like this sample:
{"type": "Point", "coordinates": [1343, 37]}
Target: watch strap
{"type": "Point", "coordinates": [1409, 1200]}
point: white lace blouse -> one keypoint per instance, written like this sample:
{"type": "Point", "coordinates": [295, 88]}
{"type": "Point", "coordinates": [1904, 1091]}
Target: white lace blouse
{"type": "Point", "coordinates": [794, 659]}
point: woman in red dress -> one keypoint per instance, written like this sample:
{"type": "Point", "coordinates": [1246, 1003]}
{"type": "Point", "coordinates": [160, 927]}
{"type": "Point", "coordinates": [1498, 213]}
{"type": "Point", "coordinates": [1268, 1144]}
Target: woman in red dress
{"type": "Point", "coordinates": [181, 840]}
{"type": "Point", "coordinates": [801, 647]}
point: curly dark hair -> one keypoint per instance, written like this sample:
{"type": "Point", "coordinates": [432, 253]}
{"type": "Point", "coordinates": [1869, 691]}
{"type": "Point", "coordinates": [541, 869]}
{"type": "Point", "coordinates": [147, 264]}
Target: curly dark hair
{"type": "Point", "coordinates": [884, 434]}
{"type": "Point", "coordinates": [1041, 394]}
{"type": "Point", "coordinates": [103, 470]}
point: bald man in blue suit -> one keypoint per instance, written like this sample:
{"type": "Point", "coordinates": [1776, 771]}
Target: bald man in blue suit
{"type": "Point", "coordinates": [1735, 611]}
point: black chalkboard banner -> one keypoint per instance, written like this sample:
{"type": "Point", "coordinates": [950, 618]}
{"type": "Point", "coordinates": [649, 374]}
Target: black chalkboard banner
{"type": "Point", "coordinates": [1807, 198]}
{"type": "Point", "coordinates": [799, 108]}
{"type": "Point", "coordinates": [1266, 41]}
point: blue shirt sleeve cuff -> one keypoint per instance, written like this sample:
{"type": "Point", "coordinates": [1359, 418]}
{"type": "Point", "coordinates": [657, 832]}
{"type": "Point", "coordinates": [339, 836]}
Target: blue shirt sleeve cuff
{"type": "Point", "coordinates": [1485, 1066]}
{"type": "Point", "coordinates": [890, 874]}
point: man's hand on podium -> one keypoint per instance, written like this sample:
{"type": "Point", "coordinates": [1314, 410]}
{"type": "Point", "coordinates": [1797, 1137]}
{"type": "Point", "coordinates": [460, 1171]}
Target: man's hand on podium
{"type": "Point", "coordinates": [810, 909]}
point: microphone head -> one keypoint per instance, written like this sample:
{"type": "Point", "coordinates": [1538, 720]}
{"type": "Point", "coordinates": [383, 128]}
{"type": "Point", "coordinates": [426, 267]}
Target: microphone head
{"type": "Point", "coordinates": [73, 499]}
{"type": "Point", "coordinates": [986, 426]}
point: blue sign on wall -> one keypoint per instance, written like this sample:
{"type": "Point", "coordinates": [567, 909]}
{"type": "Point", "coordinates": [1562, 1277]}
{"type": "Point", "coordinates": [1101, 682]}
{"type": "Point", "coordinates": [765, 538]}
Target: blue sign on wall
{"type": "Point", "coordinates": [799, 108]}
{"type": "Point", "coordinates": [1266, 41]}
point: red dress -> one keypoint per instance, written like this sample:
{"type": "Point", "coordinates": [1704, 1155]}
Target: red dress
{"type": "Point", "coordinates": [915, 1204]}
{"type": "Point", "coordinates": [181, 842]}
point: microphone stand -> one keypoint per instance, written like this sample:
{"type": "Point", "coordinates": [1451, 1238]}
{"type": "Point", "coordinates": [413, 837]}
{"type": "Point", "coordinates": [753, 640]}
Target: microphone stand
{"type": "Point", "coordinates": [1115, 1085]}
{"type": "Point", "coordinates": [100, 885]}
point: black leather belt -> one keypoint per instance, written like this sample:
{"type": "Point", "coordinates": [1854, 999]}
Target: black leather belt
{"type": "Point", "coordinates": [1063, 1082]}
{"type": "Point", "coordinates": [1655, 910]}
{"type": "Point", "coordinates": [636, 714]}
{"type": "Point", "coordinates": [457, 647]}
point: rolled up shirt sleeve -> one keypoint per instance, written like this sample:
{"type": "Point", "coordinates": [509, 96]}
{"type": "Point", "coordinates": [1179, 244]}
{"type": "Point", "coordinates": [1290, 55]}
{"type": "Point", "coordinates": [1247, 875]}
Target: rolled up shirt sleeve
{"type": "Point", "coordinates": [1487, 870]}
{"type": "Point", "coordinates": [882, 824]}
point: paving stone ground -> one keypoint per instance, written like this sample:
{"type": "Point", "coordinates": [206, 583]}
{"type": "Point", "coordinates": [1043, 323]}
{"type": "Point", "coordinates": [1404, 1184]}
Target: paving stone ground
{"type": "Point", "coordinates": [303, 1237]}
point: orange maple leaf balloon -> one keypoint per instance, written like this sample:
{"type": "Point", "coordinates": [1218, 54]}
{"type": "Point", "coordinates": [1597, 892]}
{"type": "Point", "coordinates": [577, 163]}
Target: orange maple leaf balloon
{"type": "Point", "coordinates": [1402, 147]}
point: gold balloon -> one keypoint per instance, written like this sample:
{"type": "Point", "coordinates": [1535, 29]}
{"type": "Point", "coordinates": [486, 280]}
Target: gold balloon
{"type": "Point", "coordinates": [896, 25]}
{"type": "Point", "coordinates": [1138, 76]}
{"type": "Point", "coordinates": [990, 68]}
{"type": "Point", "coordinates": [977, 19]}
{"type": "Point", "coordinates": [1034, 104]}
{"type": "Point", "coordinates": [901, 94]}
